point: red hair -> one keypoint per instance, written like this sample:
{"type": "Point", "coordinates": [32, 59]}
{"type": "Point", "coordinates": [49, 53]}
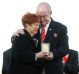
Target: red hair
{"type": "Point", "coordinates": [29, 19]}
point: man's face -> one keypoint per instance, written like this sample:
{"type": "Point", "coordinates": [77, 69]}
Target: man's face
{"type": "Point", "coordinates": [44, 15]}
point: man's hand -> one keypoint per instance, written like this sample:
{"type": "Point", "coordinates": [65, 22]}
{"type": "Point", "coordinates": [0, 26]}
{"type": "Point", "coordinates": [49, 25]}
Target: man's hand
{"type": "Point", "coordinates": [50, 56]}
{"type": "Point", "coordinates": [20, 31]}
{"type": "Point", "coordinates": [16, 34]}
{"type": "Point", "coordinates": [40, 55]}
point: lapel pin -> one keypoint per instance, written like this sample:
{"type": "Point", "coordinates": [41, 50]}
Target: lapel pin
{"type": "Point", "coordinates": [55, 34]}
{"type": "Point", "coordinates": [50, 29]}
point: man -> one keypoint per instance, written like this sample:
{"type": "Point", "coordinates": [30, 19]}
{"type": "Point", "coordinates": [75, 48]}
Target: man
{"type": "Point", "coordinates": [56, 35]}
{"type": "Point", "coordinates": [71, 64]}
{"type": "Point", "coordinates": [6, 61]}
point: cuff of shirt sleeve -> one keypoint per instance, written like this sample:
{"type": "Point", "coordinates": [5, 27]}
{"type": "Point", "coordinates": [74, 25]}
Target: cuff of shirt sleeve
{"type": "Point", "coordinates": [35, 58]}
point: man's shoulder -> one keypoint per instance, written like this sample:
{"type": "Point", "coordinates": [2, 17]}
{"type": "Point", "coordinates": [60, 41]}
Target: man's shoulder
{"type": "Point", "coordinates": [73, 51]}
{"type": "Point", "coordinates": [58, 24]}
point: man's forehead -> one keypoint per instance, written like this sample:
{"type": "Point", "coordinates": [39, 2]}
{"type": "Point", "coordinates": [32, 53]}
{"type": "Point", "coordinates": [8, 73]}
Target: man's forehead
{"type": "Point", "coordinates": [42, 8]}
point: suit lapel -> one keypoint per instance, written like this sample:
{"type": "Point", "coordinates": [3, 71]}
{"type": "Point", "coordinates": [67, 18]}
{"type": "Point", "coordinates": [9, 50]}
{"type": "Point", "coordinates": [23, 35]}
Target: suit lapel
{"type": "Point", "coordinates": [50, 32]}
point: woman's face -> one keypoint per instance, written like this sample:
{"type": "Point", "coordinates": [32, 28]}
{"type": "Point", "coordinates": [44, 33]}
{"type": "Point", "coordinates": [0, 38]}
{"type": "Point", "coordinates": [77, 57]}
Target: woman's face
{"type": "Point", "coordinates": [33, 28]}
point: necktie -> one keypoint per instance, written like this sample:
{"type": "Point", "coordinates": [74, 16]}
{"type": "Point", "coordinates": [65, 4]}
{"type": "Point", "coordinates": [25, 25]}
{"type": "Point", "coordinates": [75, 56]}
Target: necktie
{"type": "Point", "coordinates": [43, 34]}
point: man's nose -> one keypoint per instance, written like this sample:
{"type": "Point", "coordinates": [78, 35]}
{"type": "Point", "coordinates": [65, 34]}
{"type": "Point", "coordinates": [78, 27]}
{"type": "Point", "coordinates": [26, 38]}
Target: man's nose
{"type": "Point", "coordinates": [42, 18]}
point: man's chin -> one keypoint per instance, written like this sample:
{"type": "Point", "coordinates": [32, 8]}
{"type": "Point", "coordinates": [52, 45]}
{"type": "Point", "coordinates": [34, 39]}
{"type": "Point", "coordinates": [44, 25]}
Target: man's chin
{"type": "Point", "coordinates": [43, 24]}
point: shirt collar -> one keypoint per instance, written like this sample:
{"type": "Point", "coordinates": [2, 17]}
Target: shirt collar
{"type": "Point", "coordinates": [47, 25]}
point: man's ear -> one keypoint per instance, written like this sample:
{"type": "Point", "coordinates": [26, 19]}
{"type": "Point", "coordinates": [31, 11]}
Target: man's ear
{"type": "Point", "coordinates": [50, 12]}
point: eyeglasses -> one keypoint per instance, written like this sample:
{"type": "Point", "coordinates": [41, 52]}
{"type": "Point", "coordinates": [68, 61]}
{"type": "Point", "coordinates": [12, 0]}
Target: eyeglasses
{"type": "Point", "coordinates": [44, 17]}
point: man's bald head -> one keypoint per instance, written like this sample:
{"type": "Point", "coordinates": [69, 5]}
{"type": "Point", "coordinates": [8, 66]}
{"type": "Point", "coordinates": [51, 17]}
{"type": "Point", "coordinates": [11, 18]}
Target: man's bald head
{"type": "Point", "coordinates": [44, 6]}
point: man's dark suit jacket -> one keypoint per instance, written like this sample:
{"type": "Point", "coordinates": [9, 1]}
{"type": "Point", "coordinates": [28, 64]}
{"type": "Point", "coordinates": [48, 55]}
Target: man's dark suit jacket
{"type": "Point", "coordinates": [71, 66]}
{"type": "Point", "coordinates": [6, 61]}
{"type": "Point", "coordinates": [58, 39]}
{"type": "Point", "coordinates": [23, 55]}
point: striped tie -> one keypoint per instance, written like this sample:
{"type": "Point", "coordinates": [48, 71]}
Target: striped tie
{"type": "Point", "coordinates": [43, 34]}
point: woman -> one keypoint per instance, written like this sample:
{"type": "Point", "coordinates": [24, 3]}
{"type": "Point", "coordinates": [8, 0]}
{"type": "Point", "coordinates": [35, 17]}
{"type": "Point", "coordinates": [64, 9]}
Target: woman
{"type": "Point", "coordinates": [24, 50]}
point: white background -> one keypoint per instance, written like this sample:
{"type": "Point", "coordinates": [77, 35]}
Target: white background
{"type": "Point", "coordinates": [11, 11]}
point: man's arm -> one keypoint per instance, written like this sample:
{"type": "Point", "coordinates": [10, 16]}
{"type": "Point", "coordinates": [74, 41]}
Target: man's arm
{"type": "Point", "coordinates": [16, 34]}
{"type": "Point", "coordinates": [62, 47]}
